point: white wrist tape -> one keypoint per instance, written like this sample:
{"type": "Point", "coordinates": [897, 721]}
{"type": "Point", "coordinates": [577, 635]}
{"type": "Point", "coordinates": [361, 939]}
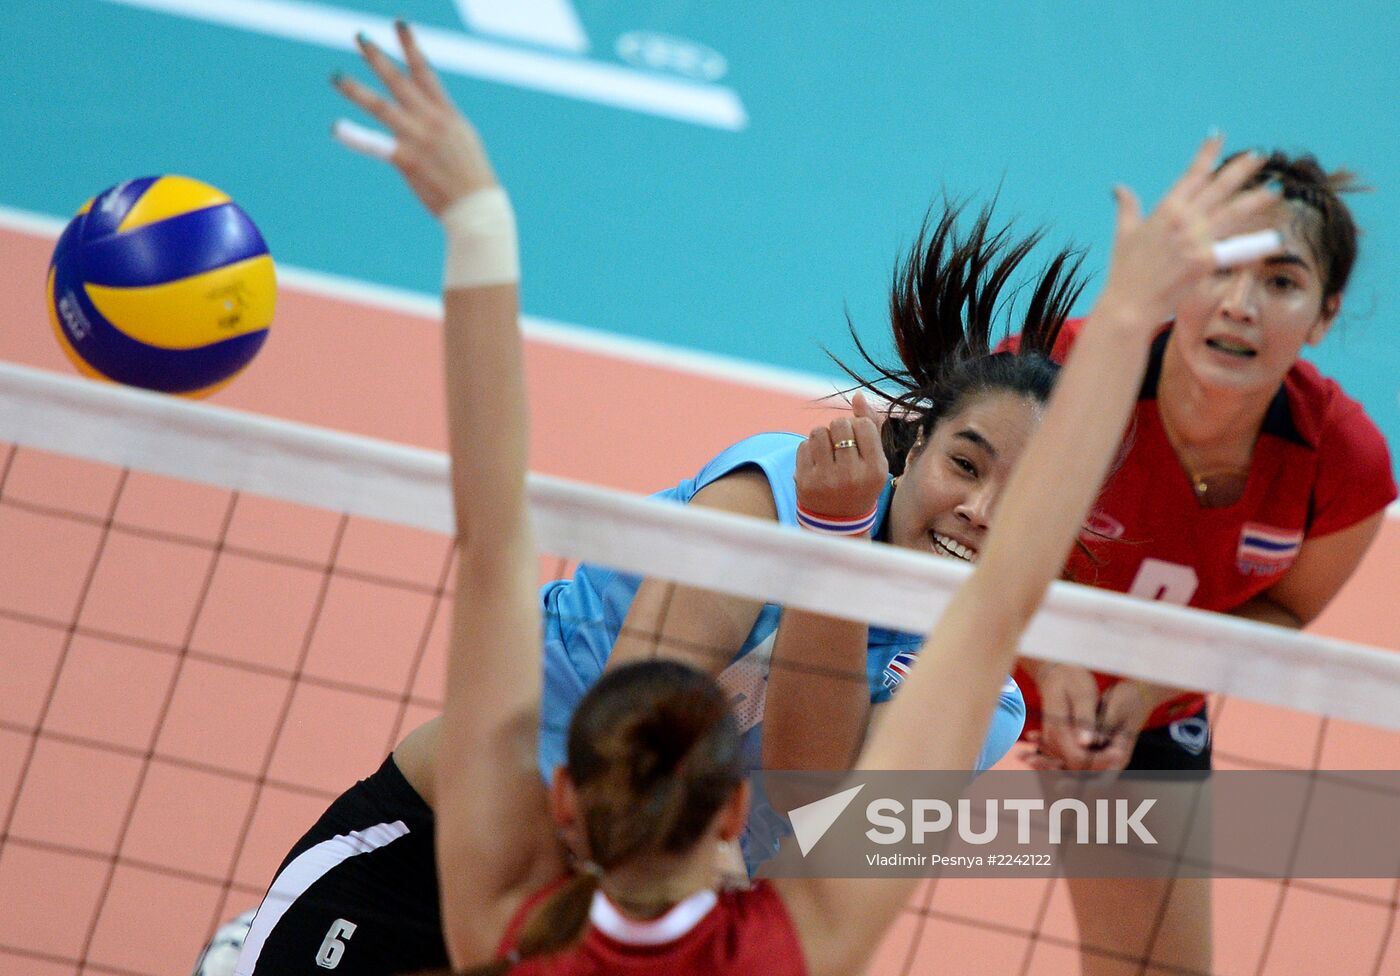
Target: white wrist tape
{"type": "Point", "coordinates": [481, 242]}
{"type": "Point", "coordinates": [1245, 248]}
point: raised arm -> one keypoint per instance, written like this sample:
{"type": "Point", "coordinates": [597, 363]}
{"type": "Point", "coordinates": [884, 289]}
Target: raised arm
{"type": "Point", "coordinates": [941, 715]}
{"type": "Point", "coordinates": [493, 836]}
{"type": "Point", "coordinates": [818, 699]}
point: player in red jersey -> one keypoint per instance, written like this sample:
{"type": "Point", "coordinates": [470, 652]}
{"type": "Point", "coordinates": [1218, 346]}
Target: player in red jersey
{"type": "Point", "coordinates": [1313, 496]}
{"type": "Point", "coordinates": [653, 778]}
{"type": "Point", "coordinates": [1251, 485]}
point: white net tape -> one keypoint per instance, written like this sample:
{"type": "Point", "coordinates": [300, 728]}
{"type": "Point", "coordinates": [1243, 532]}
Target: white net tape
{"type": "Point", "coordinates": [879, 584]}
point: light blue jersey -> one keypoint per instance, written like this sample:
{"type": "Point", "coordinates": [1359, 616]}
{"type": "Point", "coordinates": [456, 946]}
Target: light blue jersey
{"type": "Point", "coordinates": [583, 615]}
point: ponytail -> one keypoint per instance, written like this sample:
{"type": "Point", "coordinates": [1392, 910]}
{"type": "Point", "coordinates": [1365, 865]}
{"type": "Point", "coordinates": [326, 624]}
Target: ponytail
{"type": "Point", "coordinates": [653, 753]}
{"type": "Point", "coordinates": [555, 925]}
{"type": "Point", "coordinates": [945, 299]}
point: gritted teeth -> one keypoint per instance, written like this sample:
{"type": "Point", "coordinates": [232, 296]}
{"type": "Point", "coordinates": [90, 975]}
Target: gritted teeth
{"type": "Point", "coordinates": [952, 547]}
{"type": "Point", "coordinates": [1231, 346]}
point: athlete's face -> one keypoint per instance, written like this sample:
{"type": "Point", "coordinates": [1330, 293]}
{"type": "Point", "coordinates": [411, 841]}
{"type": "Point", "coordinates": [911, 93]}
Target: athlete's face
{"type": "Point", "coordinates": [1241, 329]}
{"type": "Point", "coordinates": [945, 499]}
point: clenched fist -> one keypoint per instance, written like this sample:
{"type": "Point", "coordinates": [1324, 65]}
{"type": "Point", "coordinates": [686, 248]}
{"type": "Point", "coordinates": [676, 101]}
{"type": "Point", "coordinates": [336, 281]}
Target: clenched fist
{"type": "Point", "coordinates": [841, 468]}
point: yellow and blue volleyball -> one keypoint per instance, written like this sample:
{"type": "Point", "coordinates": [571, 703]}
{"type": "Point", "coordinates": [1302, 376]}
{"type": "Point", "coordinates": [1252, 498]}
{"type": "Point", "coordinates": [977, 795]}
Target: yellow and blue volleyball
{"type": "Point", "coordinates": [163, 283]}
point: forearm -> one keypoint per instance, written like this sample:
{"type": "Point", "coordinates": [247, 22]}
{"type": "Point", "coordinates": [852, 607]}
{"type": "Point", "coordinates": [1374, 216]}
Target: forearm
{"type": "Point", "coordinates": [698, 627]}
{"type": "Point", "coordinates": [485, 392]}
{"type": "Point", "coordinates": [633, 645]}
{"type": "Point", "coordinates": [1267, 611]}
{"type": "Point", "coordinates": [818, 698]}
{"type": "Point", "coordinates": [495, 606]}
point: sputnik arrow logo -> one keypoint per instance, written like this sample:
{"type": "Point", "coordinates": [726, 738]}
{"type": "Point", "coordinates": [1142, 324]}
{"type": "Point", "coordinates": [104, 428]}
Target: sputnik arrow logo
{"type": "Point", "coordinates": [811, 822]}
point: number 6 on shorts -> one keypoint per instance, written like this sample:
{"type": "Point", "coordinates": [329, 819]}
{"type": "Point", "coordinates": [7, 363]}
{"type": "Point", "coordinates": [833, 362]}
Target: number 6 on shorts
{"type": "Point", "coordinates": [333, 948]}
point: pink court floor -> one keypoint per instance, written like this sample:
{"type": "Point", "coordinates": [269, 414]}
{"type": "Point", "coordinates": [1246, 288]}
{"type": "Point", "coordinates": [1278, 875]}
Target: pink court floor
{"type": "Point", "coordinates": [189, 675]}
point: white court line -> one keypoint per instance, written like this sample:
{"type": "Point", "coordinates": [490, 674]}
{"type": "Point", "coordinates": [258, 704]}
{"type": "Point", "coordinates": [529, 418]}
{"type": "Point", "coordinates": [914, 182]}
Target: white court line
{"type": "Point", "coordinates": [429, 307]}
{"type": "Point", "coordinates": [459, 53]}
{"type": "Point", "coordinates": [29, 222]}
{"type": "Point", "coordinates": [646, 352]}
{"type": "Point", "coordinates": [548, 23]}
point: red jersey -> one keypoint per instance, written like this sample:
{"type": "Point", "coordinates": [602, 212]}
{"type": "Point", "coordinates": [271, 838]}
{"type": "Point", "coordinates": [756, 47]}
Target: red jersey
{"type": "Point", "coordinates": [707, 934]}
{"type": "Point", "coordinates": [1320, 465]}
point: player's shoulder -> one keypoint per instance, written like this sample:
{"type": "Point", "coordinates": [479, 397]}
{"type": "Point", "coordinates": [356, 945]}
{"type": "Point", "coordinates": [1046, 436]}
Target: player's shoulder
{"type": "Point", "coordinates": [772, 443]}
{"type": "Point", "coordinates": [761, 899]}
{"type": "Point", "coordinates": [1355, 478]}
{"type": "Point", "coordinates": [774, 453]}
{"type": "Point", "coordinates": [1326, 417]}
{"type": "Point", "coordinates": [1064, 339]}
{"type": "Point", "coordinates": [762, 930]}
{"type": "Point", "coordinates": [1069, 332]}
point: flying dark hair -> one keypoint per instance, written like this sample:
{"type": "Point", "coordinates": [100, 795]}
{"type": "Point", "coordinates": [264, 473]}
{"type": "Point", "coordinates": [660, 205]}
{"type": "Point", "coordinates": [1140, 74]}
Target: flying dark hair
{"type": "Point", "coordinates": [945, 299]}
{"type": "Point", "coordinates": [653, 752]}
{"type": "Point", "coordinates": [1333, 234]}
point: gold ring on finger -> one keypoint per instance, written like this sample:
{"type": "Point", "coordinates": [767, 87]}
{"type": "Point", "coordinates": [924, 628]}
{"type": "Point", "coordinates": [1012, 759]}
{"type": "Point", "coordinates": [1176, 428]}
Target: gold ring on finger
{"type": "Point", "coordinates": [846, 443]}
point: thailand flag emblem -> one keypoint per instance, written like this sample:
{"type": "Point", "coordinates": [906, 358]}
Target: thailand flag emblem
{"type": "Point", "coordinates": [898, 669]}
{"type": "Point", "coordinates": [1265, 551]}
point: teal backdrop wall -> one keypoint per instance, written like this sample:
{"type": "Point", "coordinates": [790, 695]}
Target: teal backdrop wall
{"type": "Point", "coordinates": [720, 176]}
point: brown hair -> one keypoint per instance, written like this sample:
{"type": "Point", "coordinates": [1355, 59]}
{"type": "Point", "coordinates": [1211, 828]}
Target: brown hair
{"type": "Point", "coordinates": [653, 751]}
{"type": "Point", "coordinates": [945, 299]}
{"type": "Point", "coordinates": [1333, 235]}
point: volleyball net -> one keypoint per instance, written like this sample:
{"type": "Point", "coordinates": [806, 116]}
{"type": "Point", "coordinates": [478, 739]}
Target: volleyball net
{"type": "Point", "coordinates": [215, 622]}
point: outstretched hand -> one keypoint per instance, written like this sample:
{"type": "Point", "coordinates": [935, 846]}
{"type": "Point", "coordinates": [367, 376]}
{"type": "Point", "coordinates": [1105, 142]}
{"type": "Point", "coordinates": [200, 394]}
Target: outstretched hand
{"type": "Point", "coordinates": [437, 150]}
{"type": "Point", "coordinates": [841, 468]}
{"type": "Point", "coordinates": [1157, 258]}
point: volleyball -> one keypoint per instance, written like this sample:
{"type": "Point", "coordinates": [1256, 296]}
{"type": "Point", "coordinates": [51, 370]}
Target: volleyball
{"type": "Point", "coordinates": [220, 956]}
{"type": "Point", "coordinates": [163, 283]}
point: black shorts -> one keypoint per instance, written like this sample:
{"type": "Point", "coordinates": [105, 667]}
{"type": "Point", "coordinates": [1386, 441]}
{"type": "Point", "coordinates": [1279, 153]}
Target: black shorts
{"type": "Point", "coordinates": [358, 893]}
{"type": "Point", "coordinates": [1184, 744]}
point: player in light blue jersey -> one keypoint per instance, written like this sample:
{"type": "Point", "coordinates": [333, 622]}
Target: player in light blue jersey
{"type": "Point", "coordinates": [584, 615]}
{"type": "Point", "coordinates": [959, 425]}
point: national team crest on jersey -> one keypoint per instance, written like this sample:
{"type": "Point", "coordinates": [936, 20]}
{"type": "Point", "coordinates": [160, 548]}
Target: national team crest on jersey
{"type": "Point", "coordinates": [898, 669]}
{"type": "Point", "coordinates": [1265, 550]}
